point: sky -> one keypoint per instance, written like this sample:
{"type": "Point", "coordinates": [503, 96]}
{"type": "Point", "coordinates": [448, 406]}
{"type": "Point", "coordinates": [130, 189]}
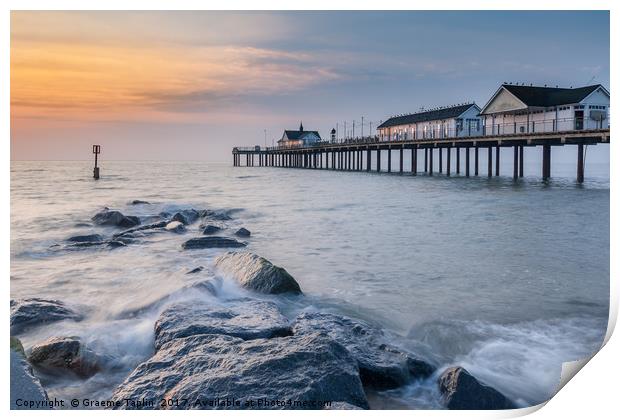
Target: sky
{"type": "Point", "coordinates": [190, 85]}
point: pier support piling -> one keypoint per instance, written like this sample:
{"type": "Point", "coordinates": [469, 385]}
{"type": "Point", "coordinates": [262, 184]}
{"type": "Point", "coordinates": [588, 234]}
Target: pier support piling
{"type": "Point", "coordinates": [448, 158]}
{"type": "Point", "coordinates": [467, 161]}
{"type": "Point", "coordinates": [490, 162]}
{"type": "Point", "coordinates": [458, 160]}
{"type": "Point", "coordinates": [497, 150]}
{"type": "Point", "coordinates": [476, 161]}
{"type": "Point", "coordinates": [520, 161]}
{"type": "Point", "coordinates": [430, 162]}
{"type": "Point", "coordinates": [546, 163]}
{"type": "Point", "coordinates": [440, 159]}
{"type": "Point", "coordinates": [580, 163]}
{"type": "Point", "coordinates": [414, 159]}
{"type": "Point", "coordinates": [515, 166]}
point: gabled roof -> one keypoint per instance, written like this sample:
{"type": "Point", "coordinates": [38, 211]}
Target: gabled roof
{"type": "Point", "coordinates": [435, 114]}
{"type": "Point", "coordinates": [549, 96]}
{"type": "Point", "coordinates": [538, 96]}
{"type": "Point", "coordinates": [298, 135]}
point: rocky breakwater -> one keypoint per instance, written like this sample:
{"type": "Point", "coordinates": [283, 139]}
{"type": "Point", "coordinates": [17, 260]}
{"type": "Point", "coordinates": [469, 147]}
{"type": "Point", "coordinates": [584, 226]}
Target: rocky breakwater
{"type": "Point", "coordinates": [244, 353]}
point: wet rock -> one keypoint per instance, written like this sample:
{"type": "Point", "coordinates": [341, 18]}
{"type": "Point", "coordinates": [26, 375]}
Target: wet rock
{"type": "Point", "coordinates": [461, 391]}
{"type": "Point", "coordinates": [215, 215]}
{"type": "Point", "coordinates": [63, 353]}
{"type": "Point", "coordinates": [86, 244]}
{"type": "Point", "coordinates": [86, 238]}
{"type": "Point", "coordinates": [246, 319]}
{"type": "Point", "coordinates": [129, 221]}
{"type": "Point", "coordinates": [256, 273]}
{"type": "Point", "coordinates": [196, 270]}
{"type": "Point", "coordinates": [152, 226]}
{"type": "Point", "coordinates": [207, 367]}
{"type": "Point", "coordinates": [210, 229]}
{"type": "Point", "coordinates": [26, 313]}
{"type": "Point", "coordinates": [175, 226]}
{"type": "Point", "coordinates": [136, 202]}
{"type": "Point", "coordinates": [187, 217]}
{"type": "Point", "coordinates": [109, 217]}
{"type": "Point", "coordinates": [212, 242]}
{"type": "Point", "coordinates": [380, 365]}
{"type": "Point", "coordinates": [25, 386]}
{"type": "Point", "coordinates": [202, 286]}
{"type": "Point", "coordinates": [243, 233]}
{"type": "Point", "coordinates": [116, 244]}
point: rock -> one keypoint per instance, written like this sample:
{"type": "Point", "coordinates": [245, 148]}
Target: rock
{"type": "Point", "coordinates": [26, 313]}
{"type": "Point", "coordinates": [85, 244]}
{"type": "Point", "coordinates": [243, 233]}
{"type": "Point", "coordinates": [86, 238]}
{"type": "Point", "coordinates": [116, 244]}
{"type": "Point", "coordinates": [212, 242]}
{"type": "Point", "coordinates": [63, 353]}
{"type": "Point", "coordinates": [461, 391]}
{"type": "Point", "coordinates": [136, 202]}
{"type": "Point", "coordinates": [380, 365]}
{"type": "Point", "coordinates": [129, 221]}
{"type": "Point", "coordinates": [26, 390]}
{"type": "Point", "coordinates": [202, 286]}
{"type": "Point", "coordinates": [152, 226]}
{"type": "Point", "coordinates": [204, 368]}
{"type": "Point", "coordinates": [196, 270]}
{"type": "Point", "coordinates": [175, 226]}
{"type": "Point", "coordinates": [210, 229]}
{"type": "Point", "coordinates": [109, 217]}
{"type": "Point", "coordinates": [186, 217]}
{"type": "Point", "coordinates": [215, 215]}
{"type": "Point", "coordinates": [246, 319]}
{"type": "Point", "coordinates": [256, 273]}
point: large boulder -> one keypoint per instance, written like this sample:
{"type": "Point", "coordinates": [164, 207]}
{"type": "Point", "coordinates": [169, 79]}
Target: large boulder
{"type": "Point", "coordinates": [461, 391]}
{"type": "Point", "coordinates": [201, 370]}
{"type": "Point", "coordinates": [380, 365]}
{"type": "Point", "coordinates": [256, 273]}
{"type": "Point", "coordinates": [246, 319]}
{"type": "Point", "coordinates": [26, 313]}
{"type": "Point", "coordinates": [26, 390]}
{"type": "Point", "coordinates": [64, 354]}
{"type": "Point", "coordinates": [212, 242]}
{"type": "Point", "coordinates": [109, 217]}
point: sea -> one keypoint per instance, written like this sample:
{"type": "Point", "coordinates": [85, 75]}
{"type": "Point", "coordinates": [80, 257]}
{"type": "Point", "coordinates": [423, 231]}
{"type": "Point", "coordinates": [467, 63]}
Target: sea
{"type": "Point", "coordinates": [509, 279]}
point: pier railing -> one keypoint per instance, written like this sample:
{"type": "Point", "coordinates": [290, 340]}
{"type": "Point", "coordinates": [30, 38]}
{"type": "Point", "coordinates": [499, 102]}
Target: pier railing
{"type": "Point", "coordinates": [492, 128]}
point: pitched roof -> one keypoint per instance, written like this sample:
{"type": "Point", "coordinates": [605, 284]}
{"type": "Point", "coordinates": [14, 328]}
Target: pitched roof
{"type": "Point", "coordinates": [297, 135]}
{"type": "Point", "coordinates": [435, 114]}
{"type": "Point", "coordinates": [549, 96]}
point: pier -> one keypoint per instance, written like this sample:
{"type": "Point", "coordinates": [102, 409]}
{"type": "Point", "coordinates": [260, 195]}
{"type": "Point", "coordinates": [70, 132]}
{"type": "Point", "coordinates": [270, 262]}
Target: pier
{"type": "Point", "coordinates": [453, 154]}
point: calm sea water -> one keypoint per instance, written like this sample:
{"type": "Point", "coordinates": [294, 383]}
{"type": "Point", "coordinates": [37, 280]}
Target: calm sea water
{"type": "Point", "coordinates": [506, 279]}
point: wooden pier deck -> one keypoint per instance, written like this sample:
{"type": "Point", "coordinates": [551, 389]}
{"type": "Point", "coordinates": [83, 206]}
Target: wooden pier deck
{"type": "Point", "coordinates": [357, 155]}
